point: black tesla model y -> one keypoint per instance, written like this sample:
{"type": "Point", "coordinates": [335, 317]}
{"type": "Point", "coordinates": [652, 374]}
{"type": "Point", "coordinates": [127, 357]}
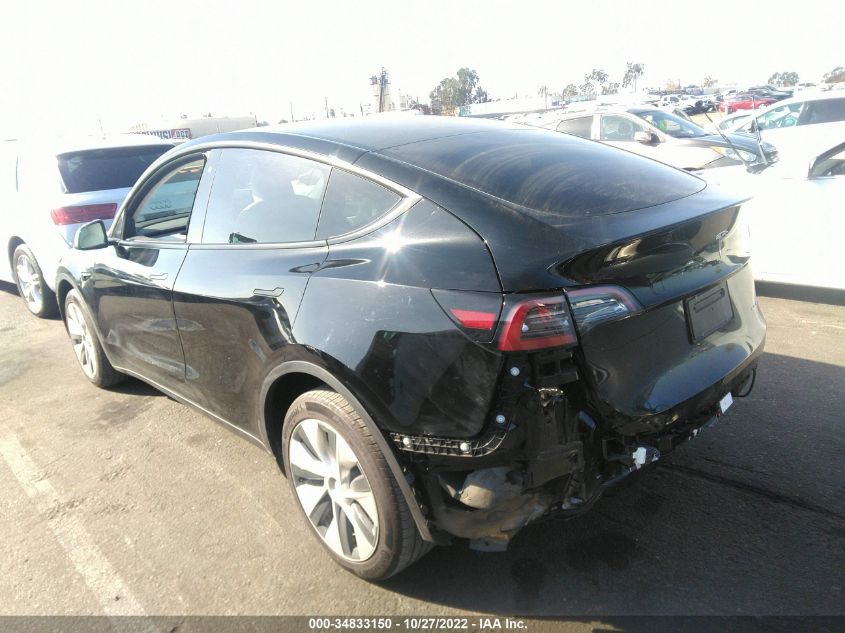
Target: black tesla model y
{"type": "Point", "coordinates": [440, 328]}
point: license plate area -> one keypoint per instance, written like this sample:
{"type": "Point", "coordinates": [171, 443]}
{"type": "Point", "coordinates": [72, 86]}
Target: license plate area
{"type": "Point", "coordinates": [708, 311]}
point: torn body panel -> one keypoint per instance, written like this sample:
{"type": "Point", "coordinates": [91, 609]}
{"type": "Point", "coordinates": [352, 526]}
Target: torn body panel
{"type": "Point", "coordinates": [554, 453]}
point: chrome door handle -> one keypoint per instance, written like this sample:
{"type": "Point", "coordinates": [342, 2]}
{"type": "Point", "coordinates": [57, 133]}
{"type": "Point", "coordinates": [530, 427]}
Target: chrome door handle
{"type": "Point", "coordinates": [275, 292]}
{"type": "Point", "coordinates": [157, 276]}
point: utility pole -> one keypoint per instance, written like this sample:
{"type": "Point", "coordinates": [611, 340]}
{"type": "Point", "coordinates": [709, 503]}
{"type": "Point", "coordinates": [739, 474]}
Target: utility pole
{"type": "Point", "coordinates": [327, 106]}
{"type": "Point", "coordinates": [291, 112]}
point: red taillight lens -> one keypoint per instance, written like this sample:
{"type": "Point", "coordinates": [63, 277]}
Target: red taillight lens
{"type": "Point", "coordinates": [537, 324]}
{"type": "Point", "coordinates": [475, 320]}
{"type": "Point", "coordinates": [83, 213]}
{"type": "Point", "coordinates": [598, 304]}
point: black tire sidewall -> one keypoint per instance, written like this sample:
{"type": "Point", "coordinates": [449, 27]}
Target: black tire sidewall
{"type": "Point", "coordinates": [375, 468]}
{"type": "Point", "coordinates": [48, 297]}
{"type": "Point", "coordinates": [97, 378]}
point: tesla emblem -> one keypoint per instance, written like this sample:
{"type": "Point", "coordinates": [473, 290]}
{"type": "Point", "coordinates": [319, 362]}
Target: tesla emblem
{"type": "Point", "coordinates": [720, 239]}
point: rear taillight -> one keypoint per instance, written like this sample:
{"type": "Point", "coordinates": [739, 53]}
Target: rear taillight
{"type": "Point", "coordinates": [475, 313]}
{"type": "Point", "coordinates": [83, 213]}
{"type": "Point", "coordinates": [591, 306]}
{"type": "Point", "coordinates": [537, 324]}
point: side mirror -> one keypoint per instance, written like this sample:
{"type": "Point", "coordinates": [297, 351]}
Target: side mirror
{"type": "Point", "coordinates": [647, 138]}
{"type": "Point", "coordinates": [91, 236]}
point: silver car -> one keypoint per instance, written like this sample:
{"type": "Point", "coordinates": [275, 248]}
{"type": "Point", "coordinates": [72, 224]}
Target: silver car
{"type": "Point", "coordinates": [663, 136]}
{"type": "Point", "coordinates": [48, 190]}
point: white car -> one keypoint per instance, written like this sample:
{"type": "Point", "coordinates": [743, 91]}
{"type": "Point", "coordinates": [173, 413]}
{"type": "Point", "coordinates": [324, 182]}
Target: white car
{"type": "Point", "coordinates": [48, 190]}
{"type": "Point", "coordinates": [796, 217]}
{"type": "Point", "coordinates": [787, 119]}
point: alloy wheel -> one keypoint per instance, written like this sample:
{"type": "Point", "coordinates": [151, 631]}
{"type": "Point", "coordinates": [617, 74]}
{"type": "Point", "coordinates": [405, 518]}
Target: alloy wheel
{"type": "Point", "coordinates": [333, 490]}
{"type": "Point", "coordinates": [29, 282]}
{"type": "Point", "coordinates": [83, 343]}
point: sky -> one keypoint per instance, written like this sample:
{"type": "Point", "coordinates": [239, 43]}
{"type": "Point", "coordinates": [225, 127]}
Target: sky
{"type": "Point", "coordinates": [85, 64]}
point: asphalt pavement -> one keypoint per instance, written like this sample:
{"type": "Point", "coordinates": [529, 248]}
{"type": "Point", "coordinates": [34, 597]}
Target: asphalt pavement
{"type": "Point", "coordinates": [125, 502]}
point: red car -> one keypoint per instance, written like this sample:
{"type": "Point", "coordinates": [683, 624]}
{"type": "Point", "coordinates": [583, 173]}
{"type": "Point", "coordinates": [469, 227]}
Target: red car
{"type": "Point", "coordinates": [744, 101]}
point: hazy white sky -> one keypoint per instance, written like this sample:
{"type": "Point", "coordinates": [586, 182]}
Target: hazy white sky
{"type": "Point", "coordinates": [67, 64]}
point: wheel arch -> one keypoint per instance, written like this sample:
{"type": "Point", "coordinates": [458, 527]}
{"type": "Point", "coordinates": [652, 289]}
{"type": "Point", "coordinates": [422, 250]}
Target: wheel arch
{"type": "Point", "coordinates": [63, 286]}
{"type": "Point", "coordinates": [14, 242]}
{"type": "Point", "coordinates": [291, 379]}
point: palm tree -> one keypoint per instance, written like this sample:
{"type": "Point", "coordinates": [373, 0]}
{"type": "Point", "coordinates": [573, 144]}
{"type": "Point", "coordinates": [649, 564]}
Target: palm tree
{"type": "Point", "coordinates": [633, 73]}
{"type": "Point", "coordinates": [544, 92]}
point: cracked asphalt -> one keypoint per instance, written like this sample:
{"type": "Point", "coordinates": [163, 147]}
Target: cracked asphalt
{"type": "Point", "coordinates": [125, 502]}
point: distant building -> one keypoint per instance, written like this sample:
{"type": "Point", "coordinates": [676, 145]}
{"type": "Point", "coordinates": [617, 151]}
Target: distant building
{"type": "Point", "coordinates": [186, 129]}
{"type": "Point", "coordinates": [495, 109]}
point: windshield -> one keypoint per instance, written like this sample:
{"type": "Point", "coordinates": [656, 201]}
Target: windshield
{"type": "Point", "coordinates": [671, 124]}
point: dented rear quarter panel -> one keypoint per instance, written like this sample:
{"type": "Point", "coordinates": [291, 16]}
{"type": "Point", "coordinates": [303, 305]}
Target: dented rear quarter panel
{"type": "Point", "coordinates": [399, 349]}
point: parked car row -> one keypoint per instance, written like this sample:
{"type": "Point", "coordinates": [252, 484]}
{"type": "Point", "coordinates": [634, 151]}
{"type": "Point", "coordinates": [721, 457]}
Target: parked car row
{"type": "Point", "coordinates": [432, 324]}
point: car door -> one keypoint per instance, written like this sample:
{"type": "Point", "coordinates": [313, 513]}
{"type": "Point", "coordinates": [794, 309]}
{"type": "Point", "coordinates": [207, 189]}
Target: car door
{"type": "Point", "coordinates": [129, 288]}
{"type": "Point", "coordinates": [239, 289]}
{"type": "Point", "coordinates": [8, 196]}
{"type": "Point", "coordinates": [804, 247]}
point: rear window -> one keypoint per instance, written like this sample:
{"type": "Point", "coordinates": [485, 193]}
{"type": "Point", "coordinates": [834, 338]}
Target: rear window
{"type": "Point", "coordinates": [577, 127]}
{"type": "Point", "coordinates": [110, 168]}
{"type": "Point", "coordinates": [551, 173]}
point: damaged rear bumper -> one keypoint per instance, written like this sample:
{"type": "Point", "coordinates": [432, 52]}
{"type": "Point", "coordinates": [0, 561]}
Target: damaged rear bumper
{"type": "Point", "coordinates": [553, 458]}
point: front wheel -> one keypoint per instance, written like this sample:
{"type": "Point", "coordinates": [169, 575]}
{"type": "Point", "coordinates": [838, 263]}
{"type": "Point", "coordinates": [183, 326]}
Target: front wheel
{"type": "Point", "coordinates": [345, 489]}
{"type": "Point", "coordinates": [32, 287]}
{"type": "Point", "coordinates": [89, 353]}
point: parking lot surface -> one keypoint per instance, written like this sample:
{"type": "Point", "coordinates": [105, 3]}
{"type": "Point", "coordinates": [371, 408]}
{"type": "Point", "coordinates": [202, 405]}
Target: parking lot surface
{"type": "Point", "coordinates": [126, 502]}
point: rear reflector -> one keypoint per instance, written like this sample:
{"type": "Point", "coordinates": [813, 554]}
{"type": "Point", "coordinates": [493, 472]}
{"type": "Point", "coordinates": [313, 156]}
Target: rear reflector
{"type": "Point", "coordinates": [475, 313]}
{"type": "Point", "coordinates": [537, 324]}
{"type": "Point", "coordinates": [83, 213]}
{"type": "Point", "coordinates": [591, 306]}
{"type": "Point", "coordinates": [475, 320]}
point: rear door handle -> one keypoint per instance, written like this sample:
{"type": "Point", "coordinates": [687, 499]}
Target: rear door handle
{"type": "Point", "coordinates": [157, 276]}
{"type": "Point", "coordinates": [275, 292]}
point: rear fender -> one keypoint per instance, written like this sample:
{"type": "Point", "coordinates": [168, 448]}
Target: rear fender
{"type": "Point", "coordinates": [324, 375]}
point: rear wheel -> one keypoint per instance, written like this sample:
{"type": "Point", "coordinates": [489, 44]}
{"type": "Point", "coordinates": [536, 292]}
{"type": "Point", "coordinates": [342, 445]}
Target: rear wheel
{"type": "Point", "coordinates": [37, 296]}
{"type": "Point", "coordinates": [89, 353]}
{"type": "Point", "coordinates": [345, 489]}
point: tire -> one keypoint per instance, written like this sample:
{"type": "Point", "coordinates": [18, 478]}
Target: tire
{"type": "Point", "coordinates": [36, 294]}
{"type": "Point", "coordinates": [381, 546]}
{"type": "Point", "coordinates": [89, 353]}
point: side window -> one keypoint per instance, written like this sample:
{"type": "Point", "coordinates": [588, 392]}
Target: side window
{"type": "Point", "coordinates": [831, 163]}
{"type": "Point", "coordinates": [264, 197]}
{"type": "Point", "coordinates": [351, 203]}
{"type": "Point", "coordinates": [824, 111]}
{"type": "Point", "coordinates": [783, 116]}
{"type": "Point", "coordinates": [166, 210]}
{"type": "Point", "coordinates": [577, 127]}
{"type": "Point", "coordinates": [618, 128]}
